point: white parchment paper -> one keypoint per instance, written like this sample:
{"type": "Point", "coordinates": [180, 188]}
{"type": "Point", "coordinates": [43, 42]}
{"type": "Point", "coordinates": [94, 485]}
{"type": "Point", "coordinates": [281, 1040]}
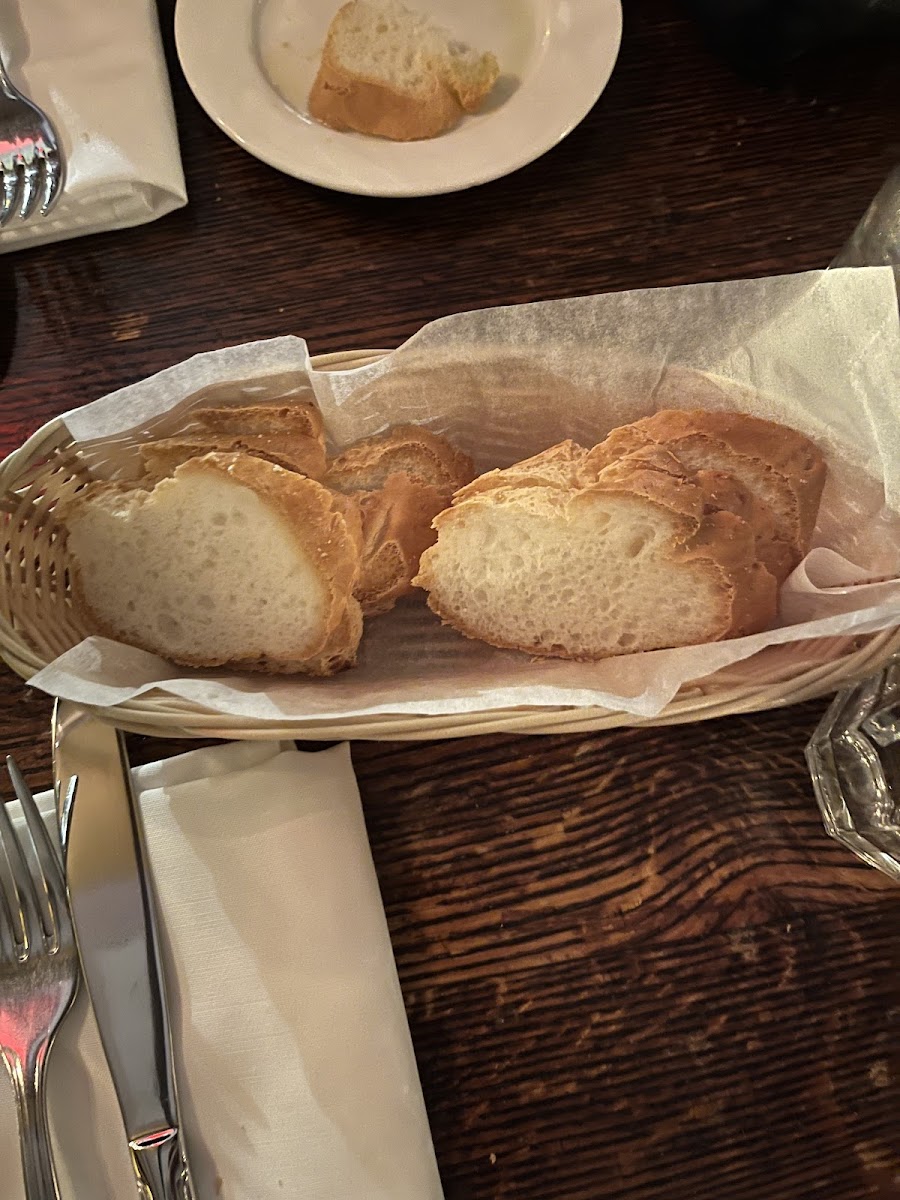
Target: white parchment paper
{"type": "Point", "coordinates": [819, 351]}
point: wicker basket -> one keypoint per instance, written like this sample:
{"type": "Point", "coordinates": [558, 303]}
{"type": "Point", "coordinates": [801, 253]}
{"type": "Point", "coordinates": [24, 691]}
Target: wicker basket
{"type": "Point", "coordinates": [37, 624]}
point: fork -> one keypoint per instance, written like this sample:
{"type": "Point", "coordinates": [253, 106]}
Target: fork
{"type": "Point", "coordinates": [31, 163]}
{"type": "Point", "coordinates": [38, 975]}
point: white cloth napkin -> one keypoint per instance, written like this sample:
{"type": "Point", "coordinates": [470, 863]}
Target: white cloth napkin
{"type": "Point", "coordinates": [296, 1073]}
{"type": "Point", "coordinates": [96, 68]}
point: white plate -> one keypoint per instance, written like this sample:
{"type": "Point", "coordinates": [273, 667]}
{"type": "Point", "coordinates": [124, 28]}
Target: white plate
{"type": "Point", "coordinates": [555, 56]}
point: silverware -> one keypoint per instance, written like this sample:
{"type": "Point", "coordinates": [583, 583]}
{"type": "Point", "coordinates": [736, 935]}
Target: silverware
{"type": "Point", "coordinates": [38, 976]}
{"type": "Point", "coordinates": [32, 168]}
{"type": "Point", "coordinates": [64, 716]}
{"type": "Point", "coordinates": [115, 927]}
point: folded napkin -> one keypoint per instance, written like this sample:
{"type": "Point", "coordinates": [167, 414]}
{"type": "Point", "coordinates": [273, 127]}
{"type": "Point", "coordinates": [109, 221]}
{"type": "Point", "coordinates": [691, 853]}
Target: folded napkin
{"type": "Point", "coordinates": [295, 1070]}
{"type": "Point", "coordinates": [96, 68]}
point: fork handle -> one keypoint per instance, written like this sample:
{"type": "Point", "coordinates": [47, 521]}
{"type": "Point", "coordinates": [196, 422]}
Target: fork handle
{"type": "Point", "coordinates": [34, 1134]}
{"type": "Point", "coordinates": [7, 88]}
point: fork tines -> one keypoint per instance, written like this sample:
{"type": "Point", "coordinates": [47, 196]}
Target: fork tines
{"type": "Point", "coordinates": [30, 173]}
{"type": "Point", "coordinates": [33, 908]}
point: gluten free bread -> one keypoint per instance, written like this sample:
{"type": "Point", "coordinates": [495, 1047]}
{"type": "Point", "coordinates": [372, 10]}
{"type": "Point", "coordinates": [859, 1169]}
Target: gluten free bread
{"type": "Point", "coordinates": [411, 450]}
{"type": "Point", "coordinates": [400, 480]}
{"type": "Point", "coordinates": [231, 561]}
{"type": "Point", "coordinates": [677, 529]}
{"type": "Point", "coordinates": [779, 470]}
{"type": "Point", "coordinates": [292, 436]}
{"type": "Point", "coordinates": [230, 552]}
{"type": "Point", "coordinates": [388, 71]}
{"type": "Point", "coordinates": [634, 560]}
{"type": "Point", "coordinates": [244, 547]}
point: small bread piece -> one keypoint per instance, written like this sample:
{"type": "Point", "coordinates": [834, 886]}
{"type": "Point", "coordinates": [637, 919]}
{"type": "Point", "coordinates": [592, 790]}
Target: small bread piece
{"type": "Point", "coordinates": [423, 456]}
{"type": "Point", "coordinates": [779, 468]}
{"type": "Point", "coordinates": [558, 466]}
{"type": "Point", "coordinates": [388, 71]}
{"type": "Point", "coordinates": [634, 561]}
{"type": "Point", "coordinates": [305, 455]}
{"type": "Point", "coordinates": [232, 561]}
{"type": "Point", "coordinates": [301, 420]}
{"type": "Point", "coordinates": [400, 481]}
{"type": "Point", "coordinates": [397, 529]}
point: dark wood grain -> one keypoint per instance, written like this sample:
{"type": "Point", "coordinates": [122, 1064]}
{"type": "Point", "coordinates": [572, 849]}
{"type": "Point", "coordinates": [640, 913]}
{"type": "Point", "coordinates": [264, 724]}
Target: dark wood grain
{"type": "Point", "coordinates": [634, 964]}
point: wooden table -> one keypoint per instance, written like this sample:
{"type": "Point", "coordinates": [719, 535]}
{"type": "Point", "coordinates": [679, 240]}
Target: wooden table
{"type": "Point", "coordinates": [635, 966]}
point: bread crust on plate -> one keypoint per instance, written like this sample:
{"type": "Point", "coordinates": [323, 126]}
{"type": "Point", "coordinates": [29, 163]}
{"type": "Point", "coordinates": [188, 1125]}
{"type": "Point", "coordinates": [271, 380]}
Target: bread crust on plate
{"type": "Point", "coordinates": [345, 103]}
{"type": "Point", "coordinates": [411, 80]}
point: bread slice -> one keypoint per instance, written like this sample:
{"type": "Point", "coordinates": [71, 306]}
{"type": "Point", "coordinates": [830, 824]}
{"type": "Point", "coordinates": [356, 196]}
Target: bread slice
{"type": "Point", "coordinates": [338, 653]}
{"type": "Point", "coordinates": [388, 71]}
{"type": "Point", "coordinates": [232, 561]}
{"type": "Point", "coordinates": [305, 455]}
{"type": "Point", "coordinates": [423, 456]}
{"type": "Point", "coordinates": [569, 465]}
{"type": "Point", "coordinates": [559, 466]}
{"type": "Point", "coordinates": [397, 529]}
{"type": "Point", "coordinates": [276, 420]}
{"type": "Point", "coordinates": [633, 561]}
{"type": "Point", "coordinates": [781, 472]}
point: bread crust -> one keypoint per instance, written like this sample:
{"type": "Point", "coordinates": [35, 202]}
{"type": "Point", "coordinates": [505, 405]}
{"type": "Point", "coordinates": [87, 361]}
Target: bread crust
{"type": "Point", "coordinates": [315, 517]}
{"type": "Point", "coordinates": [722, 537]}
{"type": "Point", "coordinates": [304, 455]}
{"type": "Point", "coordinates": [423, 456]}
{"type": "Point", "coordinates": [725, 494]}
{"type": "Point", "coordinates": [781, 448]}
{"type": "Point", "coordinates": [557, 466]}
{"type": "Point", "coordinates": [790, 464]}
{"type": "Point", "coordinates": [727, 541]}
{"type": "Point", "coordinates": [344, 102]}
{"type": "Point", "coordinates": [338, 653]}
{"type": "Point", "coordinates": [345, 99]}
{"type": "Point", "coordinates": [282, 420]}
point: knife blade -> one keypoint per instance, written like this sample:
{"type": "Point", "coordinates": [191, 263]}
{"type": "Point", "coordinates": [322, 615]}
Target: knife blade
{"type": "Point", "coordinates": [115, 929]}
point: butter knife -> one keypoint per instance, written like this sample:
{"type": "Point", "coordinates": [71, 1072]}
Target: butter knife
{"type": "Point", "coordinates": [115, 929]}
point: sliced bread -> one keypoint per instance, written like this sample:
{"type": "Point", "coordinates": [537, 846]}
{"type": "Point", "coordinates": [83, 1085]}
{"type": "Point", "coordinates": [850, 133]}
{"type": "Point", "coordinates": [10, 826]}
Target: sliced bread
{"type": "Point", "coordinates": [423, 456]}
{"type": "Point", "coordinates": [305, 455]}
{"type": "Point", "coordinates": [632, 561]}
{"type": "Point", "coordinates": [276, 420]}
{"type": "Point", "coordinates": [396, 528]}
{"type": "Point", "coordinates": [400, 480]}
{"type": "Point", "coordinates": [781, 472]}
{"type": "Point", "coordinates": [230, 561]}
{"type": "Point", "coordinates": [390, 72]}
{"type": "Point", "coordinates": [558, 466]}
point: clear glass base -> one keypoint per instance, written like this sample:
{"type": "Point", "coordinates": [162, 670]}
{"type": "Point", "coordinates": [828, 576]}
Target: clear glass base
{"type": "Point", "coordinates": [854, 760]}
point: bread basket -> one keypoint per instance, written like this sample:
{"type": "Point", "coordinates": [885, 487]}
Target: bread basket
{"type": "Point", "coordinates": [37, 624]}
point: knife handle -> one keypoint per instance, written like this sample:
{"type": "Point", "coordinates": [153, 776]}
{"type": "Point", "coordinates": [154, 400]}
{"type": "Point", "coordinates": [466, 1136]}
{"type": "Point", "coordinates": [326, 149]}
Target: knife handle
{"type": "Point", "coordinates": [160, 1167]}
